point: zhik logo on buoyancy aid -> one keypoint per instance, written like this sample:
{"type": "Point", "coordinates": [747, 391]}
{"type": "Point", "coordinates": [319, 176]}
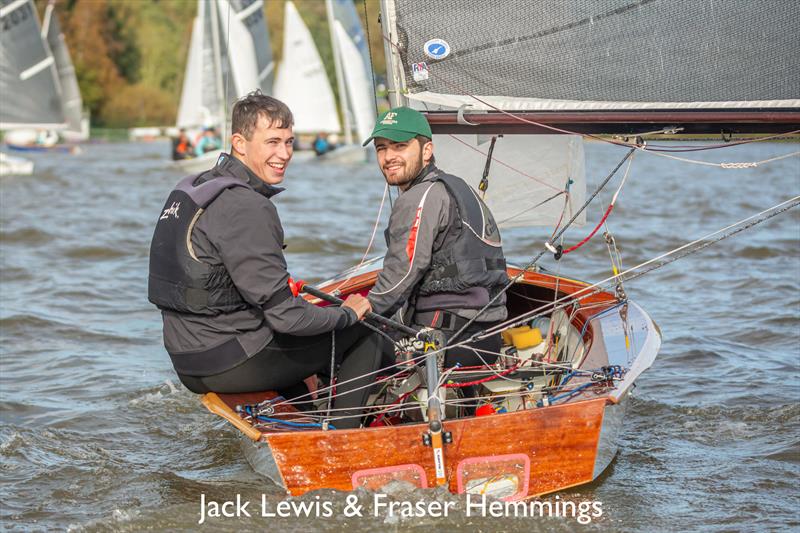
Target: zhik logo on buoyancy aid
{"type": "Point", "coordinates": [171, 211]}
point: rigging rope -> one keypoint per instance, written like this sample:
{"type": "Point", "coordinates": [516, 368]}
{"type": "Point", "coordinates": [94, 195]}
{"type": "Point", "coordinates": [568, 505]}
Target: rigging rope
{"type": "Point", "coordinates": [645, 267]}
{"type": "Point", "coordinates": [605, 215]}
{"type": "Point", "coordinates": [548, 245]}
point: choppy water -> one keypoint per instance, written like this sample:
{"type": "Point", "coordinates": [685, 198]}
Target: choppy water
{"type": "Point", "coordinates": [97, 434]}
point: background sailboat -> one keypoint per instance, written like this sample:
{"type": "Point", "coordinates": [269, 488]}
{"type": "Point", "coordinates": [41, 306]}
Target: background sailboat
{"type": "Point", "coordinates": [77, 124]}
{"type": "Point", "coordinates": [229, 56]}
{"type": "Point", "coordinates": [301, 82]}
{"type": "Point", "coordinates": [354, 79]}
{"type": "Point", "coordinates": [28, 80]}
{"type": "Point", "coordinates": [306, 89]}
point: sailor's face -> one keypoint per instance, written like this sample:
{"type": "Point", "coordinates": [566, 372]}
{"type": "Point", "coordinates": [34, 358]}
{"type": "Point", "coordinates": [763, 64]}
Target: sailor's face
{"type": "Point", "coordinates": [401, 162]}
{"type": "Point", "coordinates": [268, 151]}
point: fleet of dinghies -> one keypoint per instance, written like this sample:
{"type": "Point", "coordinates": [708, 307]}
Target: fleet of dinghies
{"type": "Point", "coordinates": [230, 58]}
{"type": "Point", "coordinates": [511, 89]}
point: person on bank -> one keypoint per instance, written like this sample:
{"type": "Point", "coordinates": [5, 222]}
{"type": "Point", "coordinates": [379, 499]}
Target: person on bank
{"type": "Point", "coordinates": [445, 259]}
{"type": "Point", "coordinates": [231, 323]}
{"type": "Point", "coordinates": [182, 147]}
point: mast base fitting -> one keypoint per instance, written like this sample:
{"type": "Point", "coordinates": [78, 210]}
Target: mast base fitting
{"type": "Point", "coordinates": [447, 438]}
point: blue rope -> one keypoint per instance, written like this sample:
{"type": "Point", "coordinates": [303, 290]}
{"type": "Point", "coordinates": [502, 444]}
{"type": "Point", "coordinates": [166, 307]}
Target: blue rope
{"type": "Point", "coordinates": [249, 410]}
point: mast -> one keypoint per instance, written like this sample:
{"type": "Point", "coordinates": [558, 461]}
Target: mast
{"type": "Point", "coordinates": [344, 102]}
{"type": "Point", "coordinates": [394, 73]}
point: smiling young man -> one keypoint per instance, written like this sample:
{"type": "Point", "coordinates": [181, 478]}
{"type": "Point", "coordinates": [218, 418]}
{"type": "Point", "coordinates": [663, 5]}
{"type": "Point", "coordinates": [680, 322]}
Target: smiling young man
{"type": "Point", "coordinates": [219, 276]}
{"type": "Point", "coordinates": [445, 260]}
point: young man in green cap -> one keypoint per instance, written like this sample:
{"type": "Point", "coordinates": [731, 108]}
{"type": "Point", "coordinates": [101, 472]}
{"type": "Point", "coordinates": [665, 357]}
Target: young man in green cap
{"type": "Point", "coordinates": [445, 260]}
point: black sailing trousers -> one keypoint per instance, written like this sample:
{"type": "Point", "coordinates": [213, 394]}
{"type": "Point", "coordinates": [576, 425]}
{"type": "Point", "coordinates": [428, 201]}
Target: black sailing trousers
{"type": "Point", "coordinates": [287, 360]}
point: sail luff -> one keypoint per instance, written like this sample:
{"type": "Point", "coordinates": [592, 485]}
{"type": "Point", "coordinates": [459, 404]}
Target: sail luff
{"type": "Point", "coordinates": [219, 78]}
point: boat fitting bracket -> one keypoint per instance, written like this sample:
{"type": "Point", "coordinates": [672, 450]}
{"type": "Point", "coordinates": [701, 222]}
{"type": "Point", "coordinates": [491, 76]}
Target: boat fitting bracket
{"type": "Point", "coordinates": [460, 117]}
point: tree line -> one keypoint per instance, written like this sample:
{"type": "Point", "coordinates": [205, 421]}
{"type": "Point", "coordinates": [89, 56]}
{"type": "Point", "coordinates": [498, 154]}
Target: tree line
{"type": "Point", "coordinates": [130, 55]}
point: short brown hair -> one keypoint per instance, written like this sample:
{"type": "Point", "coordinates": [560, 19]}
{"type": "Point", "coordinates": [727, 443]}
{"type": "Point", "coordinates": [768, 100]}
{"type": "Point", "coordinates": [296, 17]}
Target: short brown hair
{"type": "Point", "coordinates": [248, 109]}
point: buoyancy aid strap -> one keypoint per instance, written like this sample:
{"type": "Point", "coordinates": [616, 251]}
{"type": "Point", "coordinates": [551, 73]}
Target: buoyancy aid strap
{"type": "Point", "coordinates": [451, 270]}
{"type": "Point", "coordinates": [279, 297]}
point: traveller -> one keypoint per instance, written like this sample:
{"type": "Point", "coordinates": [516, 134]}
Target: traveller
{"type": "Point", "coordinates": [232, 324]}
{"type": "Point", "coordinates": [208, 141]}
{"type": "Point", "coordinates": [181, 146]}
{"type": "Point", "coordinates": [445, 260]}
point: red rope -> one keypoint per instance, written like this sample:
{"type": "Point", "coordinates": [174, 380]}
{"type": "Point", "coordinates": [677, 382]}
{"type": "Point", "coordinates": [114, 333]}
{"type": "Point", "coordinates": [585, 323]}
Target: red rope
{"type": "Point", "coordinates": [479, 381]}
{"type": "Point", "coordinates": [584, 241]}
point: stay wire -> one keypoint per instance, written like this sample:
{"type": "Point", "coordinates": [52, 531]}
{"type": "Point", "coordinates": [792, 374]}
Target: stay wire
{"type": "Point", "coordinates": [533, 262]}
{"type": "Point", "coordinates": [645, 267]}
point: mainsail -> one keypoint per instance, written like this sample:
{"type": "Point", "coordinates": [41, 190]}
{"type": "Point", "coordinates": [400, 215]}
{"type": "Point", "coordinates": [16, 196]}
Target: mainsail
{"type": "Point", "coordinates": [28, 79]}
{"type": "Point", "coordinates": [77, 127]}
{"type": "Point", "coordinates": [301, 82]}
{"type": "Point", "coordinates": [622, 60]}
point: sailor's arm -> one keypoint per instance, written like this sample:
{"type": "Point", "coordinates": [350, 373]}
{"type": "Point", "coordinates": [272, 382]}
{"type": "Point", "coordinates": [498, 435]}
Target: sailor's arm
{"type": "Point", "coordinates": [418, 218]}
{"type": "Point", "coordinates": [249, 238]}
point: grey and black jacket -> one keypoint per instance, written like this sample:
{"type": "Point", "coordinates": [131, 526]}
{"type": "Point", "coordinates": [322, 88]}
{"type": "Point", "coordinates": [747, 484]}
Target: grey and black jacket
{"type": "Point", "coordinates": [219, 276]}
{"type": "Point", "coordinates": [444, 253]}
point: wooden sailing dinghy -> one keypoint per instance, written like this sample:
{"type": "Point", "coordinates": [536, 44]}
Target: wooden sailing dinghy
{"type": "Point", "coordinates": [553, 424]}
{"type": "Point", "coordinates": [491, 77]}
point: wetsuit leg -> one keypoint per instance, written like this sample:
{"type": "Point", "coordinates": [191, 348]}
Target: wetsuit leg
{"type": "Point", "coordinates": [287, 360]}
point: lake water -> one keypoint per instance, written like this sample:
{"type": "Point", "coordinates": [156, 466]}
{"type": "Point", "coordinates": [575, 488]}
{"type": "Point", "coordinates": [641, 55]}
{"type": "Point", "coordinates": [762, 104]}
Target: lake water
{"type": "Point", "coordinates": [97, 434]}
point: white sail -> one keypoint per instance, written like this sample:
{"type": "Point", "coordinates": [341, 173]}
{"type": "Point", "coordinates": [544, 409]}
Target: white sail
{"type": "Point", "coordinates": [77, 127]}
{"type": "Point", "coordinates": [31, 93]}
{"type": "Point", "coordinates": [527, 171]}
{"type": "Point", "coordinates": [192, 110]}
{"type": "Point", "coordinates": [241, 53]}
{"type": "Point", "coordinates": [358, 82]}
{"type": "Point", "coordinates": [229, 56]}
{"type": "Point", "coordinates": [251, 14]}
{"type": "Point", "coordinates": [301, 81]}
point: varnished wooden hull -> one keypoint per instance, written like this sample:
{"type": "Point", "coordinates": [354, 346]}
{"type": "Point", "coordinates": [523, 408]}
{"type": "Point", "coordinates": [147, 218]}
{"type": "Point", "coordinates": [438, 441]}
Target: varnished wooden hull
{"type": "Point", "coordinates": [550, 448]}
{"type": "Point", "coordinates": [542, 449]}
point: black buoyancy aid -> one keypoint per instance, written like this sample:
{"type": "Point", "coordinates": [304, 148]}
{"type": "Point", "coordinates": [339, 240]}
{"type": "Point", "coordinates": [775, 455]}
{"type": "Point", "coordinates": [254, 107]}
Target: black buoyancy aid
{"type": "Point", "coordinates": [471, 255]}
{"type": "Point", "coordinates": [179, 281]}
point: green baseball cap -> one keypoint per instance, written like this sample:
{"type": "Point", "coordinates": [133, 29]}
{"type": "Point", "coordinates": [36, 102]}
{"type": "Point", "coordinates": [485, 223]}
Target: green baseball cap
{"type": "Point", "coordinates": [400, 124]}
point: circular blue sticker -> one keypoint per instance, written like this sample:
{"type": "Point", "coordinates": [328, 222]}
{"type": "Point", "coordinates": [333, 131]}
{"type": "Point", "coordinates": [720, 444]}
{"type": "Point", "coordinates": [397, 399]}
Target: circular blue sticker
{"type": "Point", "coordinates": [436, 49]}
